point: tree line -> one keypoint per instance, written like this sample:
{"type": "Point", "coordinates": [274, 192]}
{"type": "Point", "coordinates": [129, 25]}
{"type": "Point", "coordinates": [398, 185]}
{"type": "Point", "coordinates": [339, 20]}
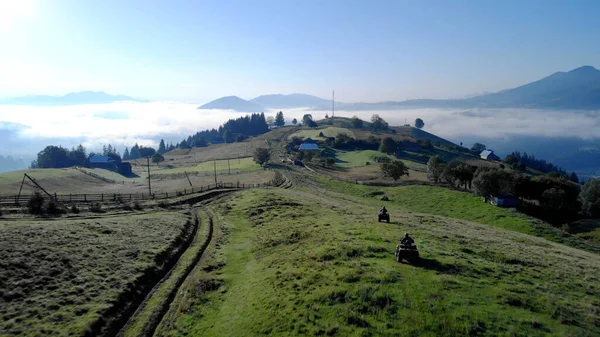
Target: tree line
{"type": "Point", "coordinates": [550, 197]}
{"type": "Point", "coordinates": [234, 130]}
{"type": "Point", "coordinates": [59, 157]}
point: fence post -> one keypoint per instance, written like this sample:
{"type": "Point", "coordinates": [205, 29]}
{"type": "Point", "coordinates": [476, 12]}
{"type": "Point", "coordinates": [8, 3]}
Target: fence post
{"type": "Point", "coordinates": [192, 190]}
{"type": "Point", "coordinates": [129, 196]}
{"type": "Point", "coordinates": [70, 197]}
{"type": "Point", "coordinates": [85, 197]}
{"type": "Point", "coordinates": [55, 197]}
{"type": "Point", "coordinates": [16, 200]}
{"type": "Point", "coordinates": [185, 191]}
{"type": "Point", "coordinates": [142, 195]}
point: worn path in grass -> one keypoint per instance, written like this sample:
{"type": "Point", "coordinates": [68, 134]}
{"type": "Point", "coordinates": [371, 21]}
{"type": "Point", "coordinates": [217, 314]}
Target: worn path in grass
{"type": "Point", "coordinates": [305, 262]}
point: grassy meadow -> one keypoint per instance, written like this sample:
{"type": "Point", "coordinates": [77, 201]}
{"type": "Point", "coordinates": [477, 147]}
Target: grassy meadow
{"type": "Point", "coordinates": [293, 263]}
{"type": "Point", "coordinates": [59, 277]}
{"type": "Point", "coordinates": [458, 205]}
{"type": "Point", "coordinates": [222, 167]}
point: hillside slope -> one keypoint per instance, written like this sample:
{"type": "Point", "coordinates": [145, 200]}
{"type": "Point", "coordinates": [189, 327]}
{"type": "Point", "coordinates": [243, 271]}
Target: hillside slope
{"type": "Point", "coordinates": [306, 262]}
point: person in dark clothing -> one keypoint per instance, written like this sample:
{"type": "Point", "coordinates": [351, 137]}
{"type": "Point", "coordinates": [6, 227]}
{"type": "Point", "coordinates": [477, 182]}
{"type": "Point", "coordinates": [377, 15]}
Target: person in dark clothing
{"type": "Point", "coordinates": [407, 240]}
{"type": "Point", "coordinates": [383, 210]}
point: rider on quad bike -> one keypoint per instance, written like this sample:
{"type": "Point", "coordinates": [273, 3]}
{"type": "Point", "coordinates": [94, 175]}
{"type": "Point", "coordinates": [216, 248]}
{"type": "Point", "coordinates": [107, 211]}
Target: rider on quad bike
{"type": "Point", "coordinates": [407, 250]}
{"type": "Point", "coordinates": [383, 214]}
{"type": "Point", "coordinates": [407, 240]}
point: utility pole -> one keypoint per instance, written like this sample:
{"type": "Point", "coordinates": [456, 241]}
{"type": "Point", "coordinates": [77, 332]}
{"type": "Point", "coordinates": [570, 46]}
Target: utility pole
{"type": "Point", "coordinates": [149, 185]}
{"type": "Point", "coordinates": [215, 166]}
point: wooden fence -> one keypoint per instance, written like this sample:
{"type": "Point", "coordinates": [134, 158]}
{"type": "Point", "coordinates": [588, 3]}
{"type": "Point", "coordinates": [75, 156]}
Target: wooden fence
{"type": "Point", "coordinates": [107, 197]}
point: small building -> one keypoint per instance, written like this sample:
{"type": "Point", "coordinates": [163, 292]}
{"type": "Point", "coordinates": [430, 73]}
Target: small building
{"type": "Point", "coordinates": [309, 147]}
{"type": "Point", "coordinates": [503, 200]}
{"type": "Point", "coordinates": [103, 162]}
{"type": "Point", "coordinates": [488, 155]}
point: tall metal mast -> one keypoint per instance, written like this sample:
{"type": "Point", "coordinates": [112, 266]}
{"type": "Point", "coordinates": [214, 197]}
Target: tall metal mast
{"type": "Point", "coordinates": [333, 105]}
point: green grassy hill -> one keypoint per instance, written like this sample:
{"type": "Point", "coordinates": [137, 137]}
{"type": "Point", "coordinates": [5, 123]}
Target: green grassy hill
{"type": "Point", "coordinates": [294, 263]}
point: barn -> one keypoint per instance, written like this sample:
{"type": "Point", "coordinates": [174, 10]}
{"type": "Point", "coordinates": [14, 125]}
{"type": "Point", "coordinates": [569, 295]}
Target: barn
{"type": "Point", "coordinates": [309, 147]}
{"type": "Point", "coordinates": [103, 162]}
{"type": "Point", "coordinates": [488, 155]}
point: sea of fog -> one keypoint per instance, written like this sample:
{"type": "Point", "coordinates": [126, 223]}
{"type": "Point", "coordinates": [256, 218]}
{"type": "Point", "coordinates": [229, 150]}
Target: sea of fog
{"type": "Point", "coordinates": [25, 130]}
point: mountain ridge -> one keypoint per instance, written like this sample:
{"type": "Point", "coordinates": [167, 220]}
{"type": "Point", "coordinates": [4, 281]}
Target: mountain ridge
{"type": "Point", "coordinates": [73, 98]}
{"type": "Point", "coordinates": [576, 89]}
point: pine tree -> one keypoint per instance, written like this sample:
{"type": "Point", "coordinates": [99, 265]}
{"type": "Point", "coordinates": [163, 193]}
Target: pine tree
{"type": "Point", "coordinates": [126, 154]}
{"type": "Point", "coordinates": [135, 152]}
{"type": "Point", "coordinates": [161, 147]}
{"type": "Point", "coordinates": [279, 120]}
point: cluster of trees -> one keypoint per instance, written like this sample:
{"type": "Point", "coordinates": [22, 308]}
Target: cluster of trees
{"type": "Point", "coordinates": [518, 161]}
{"type": "Point", "coordinates": [137, 151]}
{"type": "Point", "coordinates": [393, 169]}
{"type": "Point", "coordinates": [343, 141]}
{"type": "Point", "coordinates": [307, 120]}
{"type": "Point", "coordinates": [550, 197]}
{"type": "Point", "coordinates": [455, 173]}
{"type": "Point", "coordinates": [234, 130]}
{"type": "Point", "coordinates": [59, 157]}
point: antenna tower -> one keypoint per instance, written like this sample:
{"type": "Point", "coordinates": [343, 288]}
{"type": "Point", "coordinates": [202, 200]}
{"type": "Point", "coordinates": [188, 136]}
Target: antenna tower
{"type": "Point", "coordinates": [333, 105]}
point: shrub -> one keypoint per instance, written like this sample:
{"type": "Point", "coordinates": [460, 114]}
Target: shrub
{"type": "Point", "coordinates": [385, 198]}
{"type": "Point", "coordinates": [137, 206]}
{"type": "Point", "coordinates": [0, 212]}
{"type": "Point", "coordinates": [35, 205]}
{"type": "Point", "coordinates": [96, 207]}
{"type": "Point", "coordinates": [127, 207]}
{"type": "Point", "coordinates": [51, 207]}
{"type": "Point", "coordinates": [74, 209]}
{"type": "Point", "coordinates": [163, 204]}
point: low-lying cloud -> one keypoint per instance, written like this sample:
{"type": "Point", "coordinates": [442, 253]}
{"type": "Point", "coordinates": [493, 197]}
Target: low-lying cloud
{"type": "Point", "coordinates": [122, 124]}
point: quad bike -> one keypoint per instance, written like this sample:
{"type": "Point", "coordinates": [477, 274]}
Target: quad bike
{"type": "Point", "coordinates": [384, 216]}
{"type": "Point", "coordinates": [407, 252]}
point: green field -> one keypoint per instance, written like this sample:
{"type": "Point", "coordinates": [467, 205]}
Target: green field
{"type": "Point", "coordinates": [59, 277]}
{"type": "Point", "coordinates": [331, 131]}
{"type": "Point", "coordinates": [304, 263]}
{"type": "Point", "coordinates": [459, 205]}
{"type": "Point", "coordinates": [236, 165]}
{"type": "Point", "coordinates": [361, 157]}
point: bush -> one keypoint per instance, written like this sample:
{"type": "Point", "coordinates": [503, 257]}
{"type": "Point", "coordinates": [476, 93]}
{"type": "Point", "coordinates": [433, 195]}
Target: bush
{"type": "Point", "coordinates": [51, 207]}
{"type": "Point", "coordinates": [0, 212]}
{"type": "Point", "coordinates": [137, 206]}
{"type": "Point", "coordinates": [35, 205]}
{"type": "Point", "coordinates": [127, 207]}
{"type": "Point", "coordinates": [163, 204]}
{"type": "Point", "coordinates": [385, 198]}
{"type": "Point", "coordinates": [74, 209]}
{"type": "Point", "coordinates": [96, 207]}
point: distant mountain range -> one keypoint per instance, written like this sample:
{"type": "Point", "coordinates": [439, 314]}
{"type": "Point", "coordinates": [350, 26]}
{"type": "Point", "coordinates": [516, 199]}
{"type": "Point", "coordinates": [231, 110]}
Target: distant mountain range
{"type": "Point", "coordinates": [76, 98]}
{"type": "Point", "coordinates": [233, 103]}
{"type": "Point", "coordinates": [576, 89]}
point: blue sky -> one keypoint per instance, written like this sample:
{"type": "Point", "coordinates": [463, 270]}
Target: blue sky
{"type": "Point", "coordinates": [196, 51]}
